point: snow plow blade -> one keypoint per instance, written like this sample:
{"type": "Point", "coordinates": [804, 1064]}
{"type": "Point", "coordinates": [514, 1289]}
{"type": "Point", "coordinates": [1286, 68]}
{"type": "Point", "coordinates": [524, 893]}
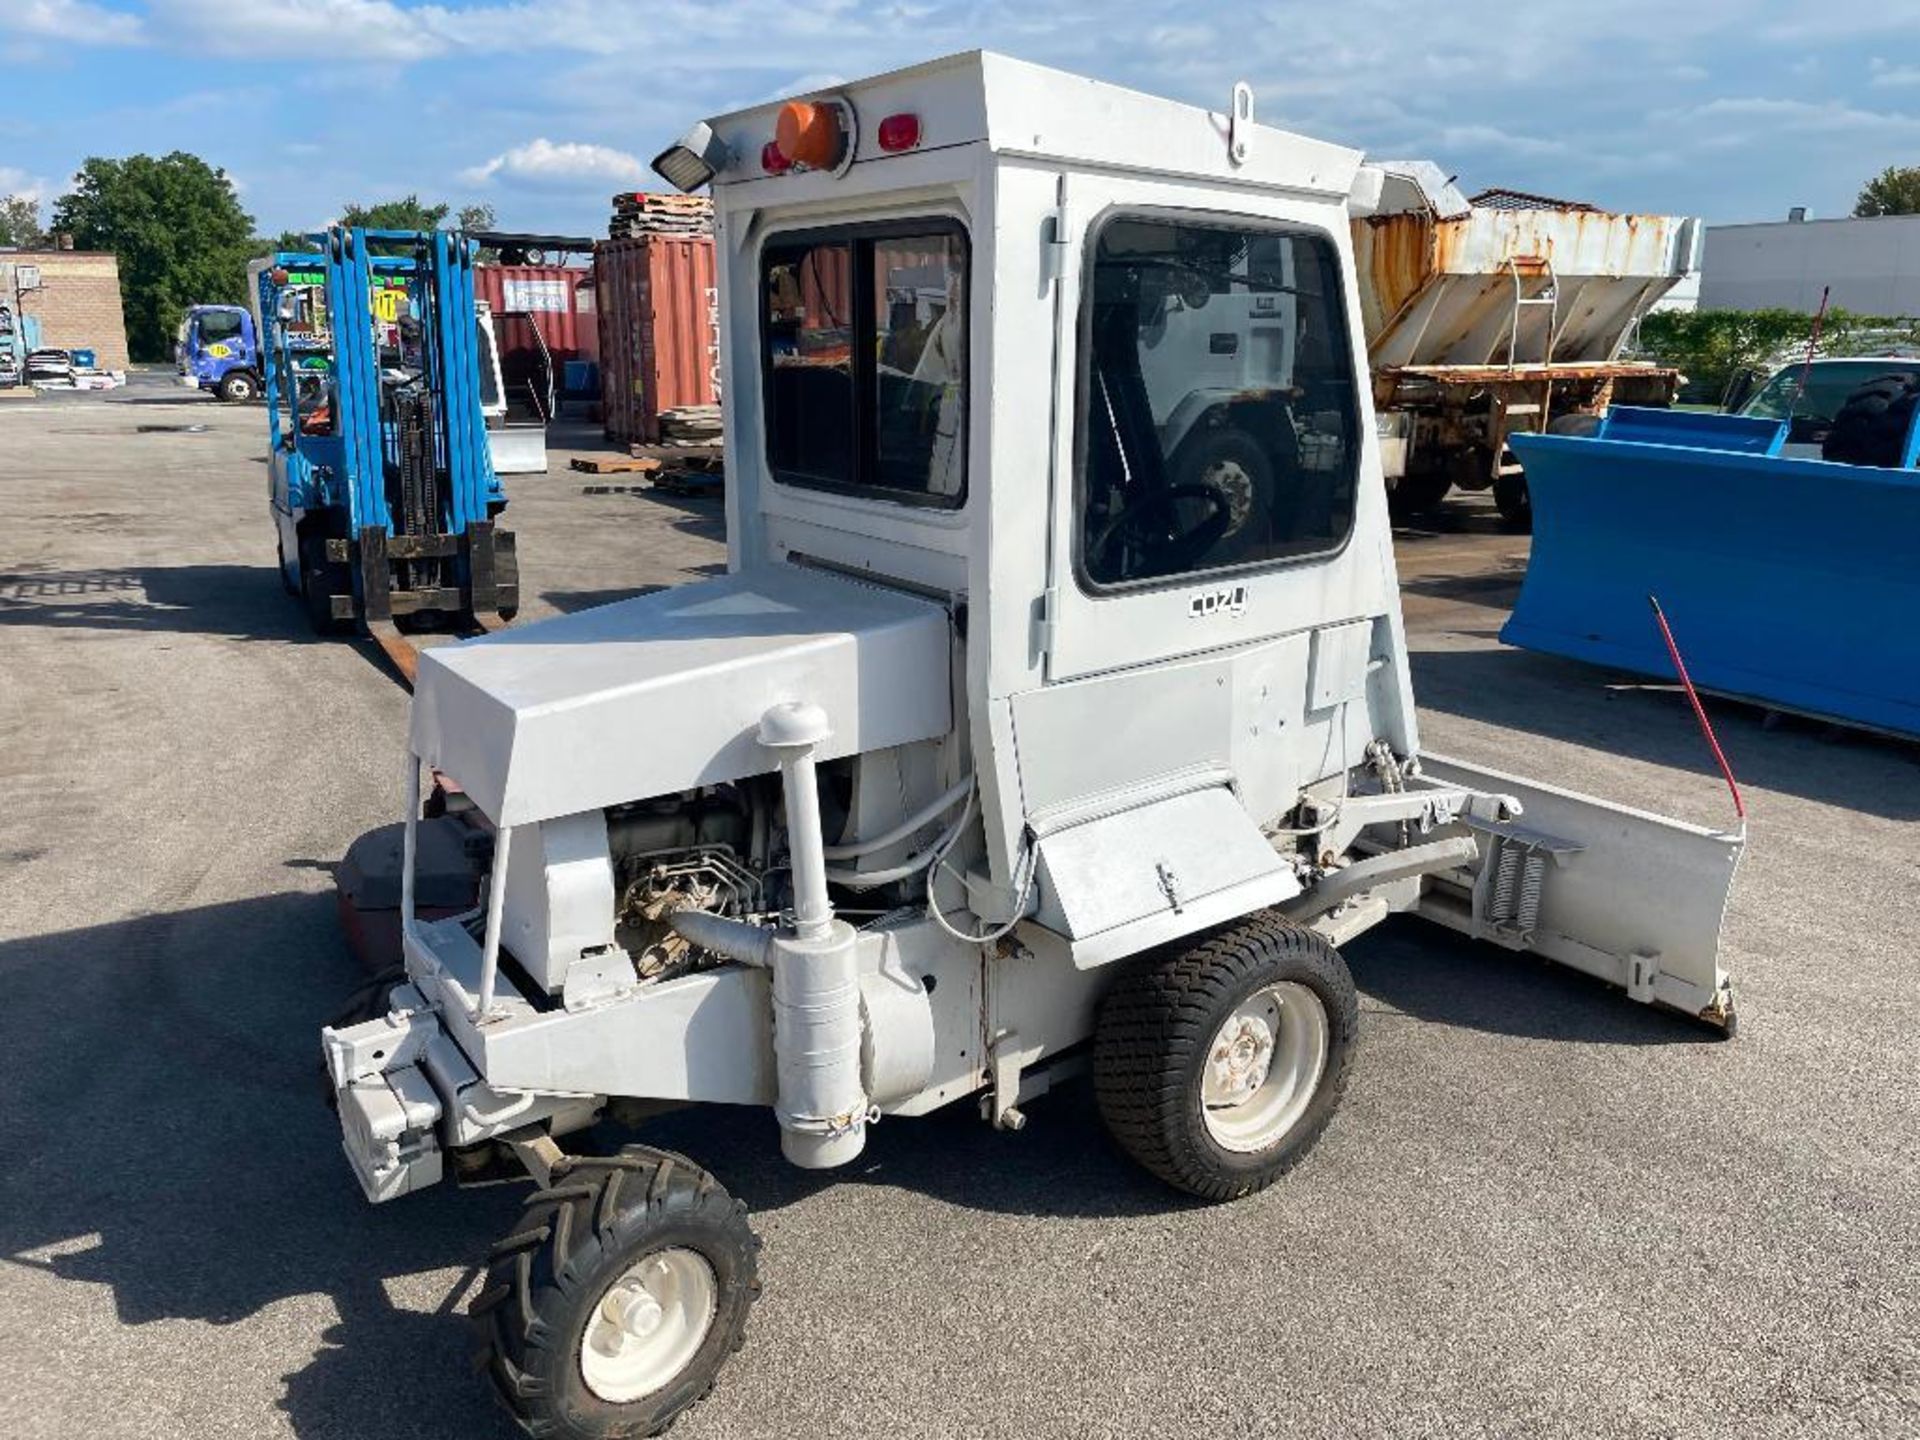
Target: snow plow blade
{"type": "Point", "coordinates": [1629, 897]}
{"type": "Point", "coordinates": [1787, 581]}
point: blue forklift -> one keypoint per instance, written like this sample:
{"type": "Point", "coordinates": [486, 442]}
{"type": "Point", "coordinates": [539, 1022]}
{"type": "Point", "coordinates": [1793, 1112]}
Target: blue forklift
{"type": "Point", "coordinates": [385, 499]}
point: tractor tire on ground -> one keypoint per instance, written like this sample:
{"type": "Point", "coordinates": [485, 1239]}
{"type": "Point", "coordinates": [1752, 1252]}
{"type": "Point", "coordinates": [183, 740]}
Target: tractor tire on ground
{"type": "Point", "coordinates": [238, 386]}
{"type": "Point", "coordinates": [612, 1307]}
{"type": "Point", "coordinates": [1871, 427]}
{"type": "Point", "coordinates": [280, 567]}
{"type": "Point", "coordinates": [1217, 1067]}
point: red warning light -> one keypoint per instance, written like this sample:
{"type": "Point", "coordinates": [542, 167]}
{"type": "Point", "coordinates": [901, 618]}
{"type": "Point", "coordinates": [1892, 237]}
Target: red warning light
{"type": "Point", "coordinates": [899, 132]}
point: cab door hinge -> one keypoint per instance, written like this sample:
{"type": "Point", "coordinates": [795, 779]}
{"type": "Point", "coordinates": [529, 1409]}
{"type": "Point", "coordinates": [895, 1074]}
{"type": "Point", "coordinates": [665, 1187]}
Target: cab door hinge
{"type": "Point", "coordinates": [1046, 620]}
{"type": "Point", "coordinates": [1055, 236]}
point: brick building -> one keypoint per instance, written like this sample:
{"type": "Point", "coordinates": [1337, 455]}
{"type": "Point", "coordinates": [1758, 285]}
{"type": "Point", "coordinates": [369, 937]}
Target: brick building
{"type": "Point", "coordinates": [77, 302]}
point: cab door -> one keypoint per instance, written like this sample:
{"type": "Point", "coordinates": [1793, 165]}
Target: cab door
{"type": "Point", "coordinates": [1208, 457]}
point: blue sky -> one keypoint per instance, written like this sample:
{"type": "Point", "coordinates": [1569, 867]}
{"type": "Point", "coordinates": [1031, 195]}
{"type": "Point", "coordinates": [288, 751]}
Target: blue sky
{"type": "Point", "coordinates": [1732, 109]}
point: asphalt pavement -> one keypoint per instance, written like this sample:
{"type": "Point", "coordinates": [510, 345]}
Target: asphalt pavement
{"type": "Point", "coordinates": [1541, 1211]}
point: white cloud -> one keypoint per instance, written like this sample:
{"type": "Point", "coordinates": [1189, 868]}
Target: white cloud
{"type": "Point", "coordinates": [1758, 116]}
{"type": "Point", "coordinates": [1893, 76]}
{"type": "Point", "coordinates": [15, 181]}
{"type": "Point", "coordinates": [367, 30]}
{"type": "Point", "coordinates": [541, 163]}
{"type": "Point", "coordinates": [1492, 138]}
{"type": "Point", "coordinates": [76, 20]}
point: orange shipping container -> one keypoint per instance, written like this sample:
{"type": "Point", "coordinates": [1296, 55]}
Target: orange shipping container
{"type": "Point", "coordinates": [659, 304]}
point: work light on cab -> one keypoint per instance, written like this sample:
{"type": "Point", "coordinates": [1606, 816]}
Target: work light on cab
{"type": "Point", "coordinates": [693, 161]}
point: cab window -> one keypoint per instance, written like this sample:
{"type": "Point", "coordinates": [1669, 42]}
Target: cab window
{"type": "Point", "coordinates": [1218, 424]}
{"type": "Point", "coordinates": [865, 361]}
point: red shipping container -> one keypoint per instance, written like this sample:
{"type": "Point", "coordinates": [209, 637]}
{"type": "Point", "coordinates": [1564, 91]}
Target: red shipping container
{"type": "Point", "coordinates": [548, 298]}
{"type": "Point", "coordinates": [659, 304]}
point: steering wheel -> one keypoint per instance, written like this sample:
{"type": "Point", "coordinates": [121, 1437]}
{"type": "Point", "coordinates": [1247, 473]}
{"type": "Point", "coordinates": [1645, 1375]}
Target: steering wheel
{"type": "Point", "coordinates": [1151, 526]}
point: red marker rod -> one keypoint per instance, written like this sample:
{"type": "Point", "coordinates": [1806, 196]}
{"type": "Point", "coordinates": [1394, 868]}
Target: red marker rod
{"type": "Point", "coordinates": [1699, 710]}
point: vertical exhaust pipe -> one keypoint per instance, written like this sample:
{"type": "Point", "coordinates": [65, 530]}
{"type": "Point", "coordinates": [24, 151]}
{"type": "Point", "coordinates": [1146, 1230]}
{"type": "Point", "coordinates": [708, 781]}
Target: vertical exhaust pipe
{"type": "Point", "coordinates": [821, 1104]}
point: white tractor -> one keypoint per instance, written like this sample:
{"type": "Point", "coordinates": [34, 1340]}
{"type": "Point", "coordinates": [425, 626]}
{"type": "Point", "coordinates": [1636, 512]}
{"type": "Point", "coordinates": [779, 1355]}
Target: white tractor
{"type": "Point", "coordinates": [1046, 720]}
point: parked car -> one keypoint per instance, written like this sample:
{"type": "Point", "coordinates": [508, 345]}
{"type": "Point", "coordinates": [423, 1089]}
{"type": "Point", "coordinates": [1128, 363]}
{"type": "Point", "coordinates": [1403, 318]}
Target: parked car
{"type": "Point", "coordinates": [1808, 397]}
{"type": "Point", "coordinates": [49, 367]}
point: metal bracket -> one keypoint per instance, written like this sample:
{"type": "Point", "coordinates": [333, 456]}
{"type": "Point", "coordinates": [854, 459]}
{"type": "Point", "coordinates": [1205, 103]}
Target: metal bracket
{"type": "Point", "coordinates": [1643, 969]}
{"type": "Point", "coordinates": [595, 979]}
{"type": "Point", "coordinates": [1240, 123]}
{"type": "Point", "coordinates": [1008, 1059]}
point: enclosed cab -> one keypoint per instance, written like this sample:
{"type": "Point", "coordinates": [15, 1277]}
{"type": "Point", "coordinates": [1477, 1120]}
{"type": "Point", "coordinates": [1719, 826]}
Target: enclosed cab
{"type": "Point", "coordinates": [1053, 714]}
{"type": "Point", "coordinates": [218, 350]}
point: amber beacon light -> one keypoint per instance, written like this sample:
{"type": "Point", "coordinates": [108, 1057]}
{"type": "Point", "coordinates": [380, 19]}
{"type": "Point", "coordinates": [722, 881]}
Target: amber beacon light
{"type": "Point", "coordinates": [811, 133]}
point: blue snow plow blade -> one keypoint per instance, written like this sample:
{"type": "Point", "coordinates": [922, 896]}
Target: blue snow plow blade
{"type": "Point", "coordinates": [1793, 583]}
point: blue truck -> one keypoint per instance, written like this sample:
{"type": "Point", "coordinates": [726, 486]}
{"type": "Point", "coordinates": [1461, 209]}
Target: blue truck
{"type": "Point", "coordinates": [218, 350]}
{"type": "Point", "coordinates": [384, 496]}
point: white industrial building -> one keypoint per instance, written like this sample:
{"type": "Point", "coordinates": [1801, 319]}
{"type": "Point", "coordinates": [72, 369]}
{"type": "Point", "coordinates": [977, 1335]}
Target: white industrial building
{"type": "Point", "coordinates": [1871, 265]}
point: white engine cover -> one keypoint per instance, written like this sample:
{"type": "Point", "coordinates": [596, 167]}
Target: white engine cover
{"type": "Point", "coordinates": [665, 692]}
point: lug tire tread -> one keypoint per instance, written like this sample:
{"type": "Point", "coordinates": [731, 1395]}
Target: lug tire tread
{"type": "Point", "coordinates": [577, 1234]}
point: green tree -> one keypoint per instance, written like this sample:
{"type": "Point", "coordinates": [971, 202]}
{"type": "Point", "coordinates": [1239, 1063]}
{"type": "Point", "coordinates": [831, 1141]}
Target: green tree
{"type": "Point", "coordinates": [1712, 347]}
{"type": "Point", "coordinates": [403, 214]}
{"type": "Point", "coordinates": [20, 222]}
{"type": "Point", "coordinates": [1894, 191]}
{"type": "Point", "coordinates": [410, 213]}
{"type": "Point", "coordinates": [177, 229]}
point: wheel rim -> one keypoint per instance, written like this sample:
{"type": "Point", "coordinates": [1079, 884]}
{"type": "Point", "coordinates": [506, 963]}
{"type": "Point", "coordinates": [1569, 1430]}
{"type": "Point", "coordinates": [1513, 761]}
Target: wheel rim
{"type": "Point", "coordinates": [1231, 479]}
{"type": "Point", "coordinates": [1263, 1066]}
{"type": "Point", "coordinates": [648, 1325]}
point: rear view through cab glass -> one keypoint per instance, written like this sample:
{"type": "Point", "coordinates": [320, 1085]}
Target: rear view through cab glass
{"type": "Point", "coordinates": [1218, 426]}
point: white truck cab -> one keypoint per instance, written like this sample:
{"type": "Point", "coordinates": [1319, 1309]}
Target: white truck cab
{"type": "Point", "coordinates": [1053, 714]}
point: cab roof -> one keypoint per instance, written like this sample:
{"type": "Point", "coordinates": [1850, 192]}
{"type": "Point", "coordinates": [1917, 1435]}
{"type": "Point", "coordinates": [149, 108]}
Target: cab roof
{"type": "Point", "coordinates": [1021, 109]}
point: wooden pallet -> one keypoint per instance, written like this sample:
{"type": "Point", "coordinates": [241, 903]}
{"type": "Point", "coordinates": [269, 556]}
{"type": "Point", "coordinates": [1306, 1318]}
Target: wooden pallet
{"type": "Point", "coordinates": [615, 464]}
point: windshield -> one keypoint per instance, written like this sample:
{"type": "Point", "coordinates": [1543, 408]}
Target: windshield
{"type": "Point", "coordinates": [1829, 383]}
{"type": "Point", "coordinates": [218, 325]}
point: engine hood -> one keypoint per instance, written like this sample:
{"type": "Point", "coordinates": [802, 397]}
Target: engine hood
{"type": "Point", "coordinates": [665, 692]}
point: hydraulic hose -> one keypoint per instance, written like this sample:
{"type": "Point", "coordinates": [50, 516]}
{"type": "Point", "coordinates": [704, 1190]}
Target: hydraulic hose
{"type": "Point", "coordinates": [921, 817]}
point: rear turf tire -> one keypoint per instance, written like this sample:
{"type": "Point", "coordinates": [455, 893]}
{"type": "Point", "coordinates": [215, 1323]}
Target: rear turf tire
{"type": "Point", "coordinates": [581, 1240]}
{"type": "Point", "coordinates": [1161, 1028]}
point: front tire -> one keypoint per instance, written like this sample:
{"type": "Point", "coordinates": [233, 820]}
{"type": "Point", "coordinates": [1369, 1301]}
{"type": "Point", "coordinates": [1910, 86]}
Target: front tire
{"type": "Point", "coordinates": [612, 1307]}
{"type": "Point", "coordinates": [237, 386]}
{"type": "Point", "coordinates": [1217, 1067]}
